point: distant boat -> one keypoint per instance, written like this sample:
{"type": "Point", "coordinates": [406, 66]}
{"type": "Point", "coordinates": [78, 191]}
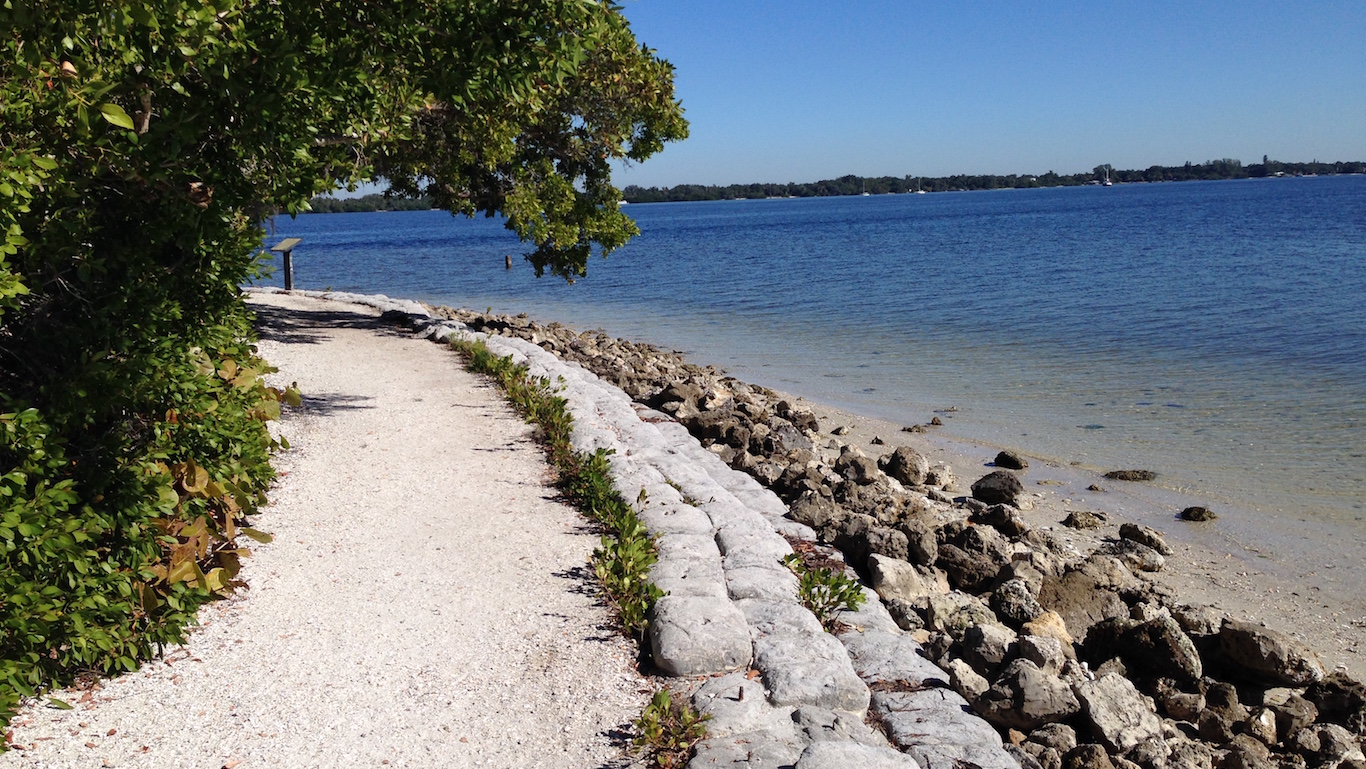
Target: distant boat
{"type": "Point", "coordinates": [1107, 183]}
{"type": "Point", "coordinates": [918, 191]}
{"type": "Point", "coordinates": [865, 189]}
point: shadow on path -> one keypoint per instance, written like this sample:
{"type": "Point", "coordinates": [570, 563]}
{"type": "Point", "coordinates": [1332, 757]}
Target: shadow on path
{"type": "Point", "coordinates": [279, 324]}
{"type": "Point", "coordinates": [327, 404]}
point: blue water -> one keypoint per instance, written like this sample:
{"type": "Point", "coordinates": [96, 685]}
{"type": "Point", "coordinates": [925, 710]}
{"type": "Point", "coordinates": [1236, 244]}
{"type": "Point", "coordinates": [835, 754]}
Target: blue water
{"type": "Point", "coordinates": [1212, 331]}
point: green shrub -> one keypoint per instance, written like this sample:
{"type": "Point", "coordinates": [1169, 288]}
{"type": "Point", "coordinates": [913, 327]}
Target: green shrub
{"type": "Point", "coordinates": [668, 729]}
{"type": "Point", "coordinates": [825, 591]}
{"type": "Point", "coordinates": [142, 144]}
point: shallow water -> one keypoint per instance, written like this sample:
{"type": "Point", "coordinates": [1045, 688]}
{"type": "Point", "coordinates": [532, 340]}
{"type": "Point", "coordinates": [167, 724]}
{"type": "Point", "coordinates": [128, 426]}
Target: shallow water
{"type": "Point", "coordinates": [1212, 331]}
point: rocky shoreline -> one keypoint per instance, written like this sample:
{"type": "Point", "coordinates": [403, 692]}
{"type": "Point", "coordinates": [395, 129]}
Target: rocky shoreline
{"type": "Point", "coordinates": [1078, 657]}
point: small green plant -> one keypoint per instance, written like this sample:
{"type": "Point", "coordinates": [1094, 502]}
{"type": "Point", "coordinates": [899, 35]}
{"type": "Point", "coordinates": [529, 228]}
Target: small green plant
{"type": "Point", "coordinates": [687, 500]}
{"type": "Point", "coordinates": [622, 562]}
{"type": "Point", "coordinates": [824, 591]}
{"type": "Point", "coordinates": [669, 729]}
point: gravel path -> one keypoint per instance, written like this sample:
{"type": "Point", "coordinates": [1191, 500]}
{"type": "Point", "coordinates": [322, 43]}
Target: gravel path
{"type": "Point", "coordinates": [425, 602]}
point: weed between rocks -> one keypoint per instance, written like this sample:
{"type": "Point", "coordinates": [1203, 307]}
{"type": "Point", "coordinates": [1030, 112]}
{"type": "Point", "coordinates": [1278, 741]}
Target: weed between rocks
{"type": "Point", "coordinates": [623, 560]}
{"type": "Point", "coordinates": [825, 591]}
{"type": "Point", "coordinates": [669, 729]}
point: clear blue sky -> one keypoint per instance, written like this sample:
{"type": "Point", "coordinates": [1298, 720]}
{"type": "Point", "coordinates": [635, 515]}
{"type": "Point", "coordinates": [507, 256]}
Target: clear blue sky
{"type": "Point", "coordinates": [800, 90]}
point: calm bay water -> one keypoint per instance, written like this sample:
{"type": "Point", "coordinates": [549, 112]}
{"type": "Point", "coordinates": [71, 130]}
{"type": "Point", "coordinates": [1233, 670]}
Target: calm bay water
{"type": "Point", "coordinates": [1214, 332]}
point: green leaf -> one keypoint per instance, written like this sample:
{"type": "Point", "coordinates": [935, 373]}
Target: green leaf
{"type": "Point", "coordinates": [258, 535]}
{"type": "Point", "coordinates": [53, 702]}
{"type": "Point", "coordinates": [47, 164]}
{"type": "Point", "coordinates": [116, 116]}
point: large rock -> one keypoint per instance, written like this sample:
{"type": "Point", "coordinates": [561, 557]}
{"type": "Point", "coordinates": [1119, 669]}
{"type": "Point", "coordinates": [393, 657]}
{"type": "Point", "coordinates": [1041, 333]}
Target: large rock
{"type": "Point", "coordinates": [1004, 519]}
{"type": "Point", "coordinates": [692, 636]}
{"type": "Point", "coordinates": [822, 725]}
{"type": "Point", "coordinates": [922, 546]}
{"type": "Point", "coordinates": [1050, 624]}
{"type": "Point", "coordinates": [966, 681]}
{"type": "Point", "coordinates": [893, 578]}
{"type": "Point", "coordinates": [735, 704]}
{"type": "Point", "coordinates": [973, 556]}
{"type": "Point", "coordinates": [1045, 652]}
{"type": "Point", "coordinates": [1198, 514]}
{"type": "Point", "coordinates": [1026, 698]}
{"type": "Point", "coordinates": [1131, 475]}
{"type": "Point", "coordinates": [1120, 717]}
{"type": "Point", "coordinates": [1145, 535]}
{"type": "Point", "coordinates": [1292, 713]}
{"type": "Point", "coordinates": [1245, 752]}
{"type": "Point", "coordinates": [755, 750]}
{"type": "Point", "coordinates": [1135, 555]}
{"type": "Point", "coordinates": [1268, 656]}
{"type": "Point", "coordinates": [1014, 601]}
{"type": "Point", "coordinates": [1156, 648]}
{"type": "Point", "coordinates": [988, 647]}
{"type": "Point", "coordinates": [999, 487]}
{"type": "Point", "coordinates": [817, 511]}
{"type": "Point", "coordinates": [1088, 756]}
{"type": "Point", "coordinates": [853, 465]}
{"type": "Point", "coordinates": [783, 437]}
{"type": "Point", "coordinates": [801, 668]}
{"type": "Point", "coordinates": [955, 612]}
{"type": "Point", "coordinates": [906, 465]}
{"type": "Point", "coordinates": [1341, 698]}
{"type": "Point", "coordinates": [1011, 461]}
{"type": "Point", "coordinates": [1082, 519]}
{"type": "Point", "coordinates": [1329, 745]}
{"type": "Point", "coordinates": [1082, 599]}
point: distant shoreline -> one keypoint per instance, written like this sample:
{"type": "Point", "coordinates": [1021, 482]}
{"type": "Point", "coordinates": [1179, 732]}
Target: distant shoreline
{"type": "Point", "coordinates": [850, 185]}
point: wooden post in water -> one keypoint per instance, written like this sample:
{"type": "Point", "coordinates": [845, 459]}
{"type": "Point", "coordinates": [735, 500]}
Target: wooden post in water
{"type": "Point", "coordinates": [286, 248]}
{"type": "Point", "coordinates": [507, 262]}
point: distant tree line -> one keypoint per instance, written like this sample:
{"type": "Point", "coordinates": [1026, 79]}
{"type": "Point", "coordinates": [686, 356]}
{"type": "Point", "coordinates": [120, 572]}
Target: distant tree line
{"type": "Point", "coordinates": [856, 185]}
{"type": "Point", "coordinates": [324, 204]}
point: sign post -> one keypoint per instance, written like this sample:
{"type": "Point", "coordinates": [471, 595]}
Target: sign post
{"type": "Point", "coordinates": [286, 247]}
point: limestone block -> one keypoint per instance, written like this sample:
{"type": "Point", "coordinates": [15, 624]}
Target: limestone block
{"type": "Point", "coordinates": [787, 617]}
{"type": "Point", "coordinates": [768, 583]}
{"type": "Point", "coordinates": [817, 724]}
{"type": "Point", "coordinates": [745, 545]}
{"type": "Point", "coordinates": [738, 705]}
{"type": "Point", "coordinates": [693, 635]}
{"type": "Point", "coordinates": [842, 755]}
{"type": "Point", "coordinates": [676, 519]}
{"type": "Point", "coordinates": [688, 564]}
{"type": "Point", "coordinates": [937, 728]}
{"type": "Point", "coordinates": [809, 669]}
{"type": "Point", "coordinates": [754, 750]}
{"type": "Point", "coordinates": [881, 656]}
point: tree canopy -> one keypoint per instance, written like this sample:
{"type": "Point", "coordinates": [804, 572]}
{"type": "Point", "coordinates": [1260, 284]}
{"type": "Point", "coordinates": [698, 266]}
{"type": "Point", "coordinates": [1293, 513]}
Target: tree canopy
{"type": "Point", "coordinates": [141, 145]}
